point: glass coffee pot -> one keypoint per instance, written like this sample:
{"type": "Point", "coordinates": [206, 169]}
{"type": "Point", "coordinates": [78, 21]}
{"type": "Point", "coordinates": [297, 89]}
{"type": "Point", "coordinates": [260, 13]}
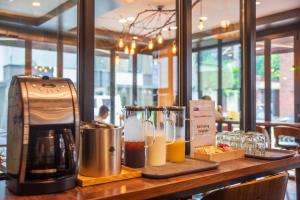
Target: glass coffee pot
{"type": "Point", "coordinates": [156, 152]}
{"type": "Point", "coordinates": [135, 127]}
{"type": "Point", "coordinates": [176, 150]}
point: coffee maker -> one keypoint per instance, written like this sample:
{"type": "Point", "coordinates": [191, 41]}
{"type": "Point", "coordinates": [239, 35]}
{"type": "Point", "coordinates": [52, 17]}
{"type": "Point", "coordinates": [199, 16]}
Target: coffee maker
{"type": "Point", "coordinates": [43, 129]}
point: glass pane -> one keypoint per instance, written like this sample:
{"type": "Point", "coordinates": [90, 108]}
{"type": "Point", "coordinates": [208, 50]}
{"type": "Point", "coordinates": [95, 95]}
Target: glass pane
{"type": "Point", "coordinates": [231, 69]}
{"type": "Point", "coordinates": [282, 77]}
{"type": "Point", "coordinates": [70, 63]}
{"type": "Point", "coordinates": [102, 104]}
{"type": "Point", "coordinates": [12, 62]}
{"type": "Point", "coordinates": [44, 59]}
{"type": "Point", "coordinates": [195, 74]}
{"type": "Point", "coordinates": [260, 81]}
{"type": "Point", "coordinates": [208, 62]}
{"type": "Point", "coordinates": [124, 83]}
{"type": "Point", "coordinates": [148, 80]}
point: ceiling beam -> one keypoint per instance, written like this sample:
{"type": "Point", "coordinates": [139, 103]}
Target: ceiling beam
{"type": "Point", "coordinates": [57, 11]}
{"type": "Point", "coordinates": [292, 15]}
{"type": "Point", "coordinates": [10, 16]}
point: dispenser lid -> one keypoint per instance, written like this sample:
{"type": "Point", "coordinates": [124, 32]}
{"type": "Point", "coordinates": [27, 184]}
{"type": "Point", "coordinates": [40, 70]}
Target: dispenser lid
{"type": "Point", "coordinates": [135, 108]}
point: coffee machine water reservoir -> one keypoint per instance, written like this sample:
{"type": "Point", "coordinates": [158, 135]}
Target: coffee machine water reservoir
{"type": "Point", "coordinates": [43, 127]}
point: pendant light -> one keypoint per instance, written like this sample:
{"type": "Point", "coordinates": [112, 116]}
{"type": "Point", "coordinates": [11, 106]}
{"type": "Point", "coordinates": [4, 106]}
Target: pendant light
{"type": "Point", "coordinates": [202, 18]}
{"type": "Point", "coordinates": [126, 50]}
{"type": "Point", "coordinates": [160, 39]}
{"type": "Point", "coordinates": [121, 43]}
{"type": "Point", "coordinates": [133, 44]}
{"type": "Point", "coordinates": [131, 51]}
{"type": "Point", "coordinates": [150, 45]}
{"type": "Point", "coordinates": [174, 48]}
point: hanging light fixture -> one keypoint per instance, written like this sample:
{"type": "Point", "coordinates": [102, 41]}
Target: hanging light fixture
{"type": "Point", "coordinates": [201, 25]}
{"type": "Point", "coordinates": [150, 45]}
{"type": "Point", "coordinates": [126, 50]}
{"type": "Point", "coordinates": [121, 43]}
{"type": "Point", "coordinates": [131, 51]}
{"type": "Point", "coordinates": [117, 59]}
{"type": "Point", "coordinates": [174, 48]}
{"type": "Point", "coordinates": [202, 19]}
{"type": "Point", "coordinates": [133, 44]}
{"type": "Point", "coordinates": [160, 39]}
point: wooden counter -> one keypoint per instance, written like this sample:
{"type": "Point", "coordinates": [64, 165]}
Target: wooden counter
{"type": "Point", "coordinates": [141, 188]}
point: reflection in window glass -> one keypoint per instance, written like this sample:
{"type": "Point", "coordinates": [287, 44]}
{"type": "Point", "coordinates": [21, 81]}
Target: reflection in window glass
{"type": "Point", "coordinates": [195, 75]}
{"type": "Point", "coordinates": [70, 63]}
{"type": "Point", "coordinates": [231, 58]}
{"type": "Point", "coordinates": [148, 80]}
{"type": "Point", "coordinates": [260, 81]}
{"type": "Point", "coordinates": [124, 84]}
{"type": "Point", "coordinates": [44, 59]}
{"type": "Point", "coordinates": [209, 73]}
{"type": "Point", "coordinates": [102, 84]}
{"type": "Point", "coordinates": [12, 62]}
{"type": "Point", "coordinates": [282, 79]}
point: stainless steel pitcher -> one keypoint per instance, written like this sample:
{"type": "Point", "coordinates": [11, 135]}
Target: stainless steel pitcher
{"type": "Point", "coordinates": [100, 150]}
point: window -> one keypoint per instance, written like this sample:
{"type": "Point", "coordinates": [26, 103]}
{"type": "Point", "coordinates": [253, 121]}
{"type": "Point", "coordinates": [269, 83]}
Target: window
{"type": "Point", "coordinates": [208, 62]}
{"type": "Point", "coordinates": [12, 62]}
{"type": "Point", "coordinates": [231, 69]}
{"type": "Point", "coordinates": [195, 76]}
{"type": "Point", "coordinates": [282, 79]}
{"type": "Point", "coordinates": [260, 81]}
{"type": "Point", "coordinates": [148, 80]}
{"type": "Point", "coordinates": [70, 63]}
{"type": "Point", "coordinates": [102, 81]}
{"type": "Point", "coordinates": [124, 85]}
{"type": "Point", "coordinates": [44, 59]}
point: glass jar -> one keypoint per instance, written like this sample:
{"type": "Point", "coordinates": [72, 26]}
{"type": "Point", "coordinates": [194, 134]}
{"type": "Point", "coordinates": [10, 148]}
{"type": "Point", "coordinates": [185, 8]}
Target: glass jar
{"type": "Point", "coordinates": [176, 149]}
{"type": "Point", "coordinates": [156, 151]}
{"type": "Point", "coordinates": [135, 127]}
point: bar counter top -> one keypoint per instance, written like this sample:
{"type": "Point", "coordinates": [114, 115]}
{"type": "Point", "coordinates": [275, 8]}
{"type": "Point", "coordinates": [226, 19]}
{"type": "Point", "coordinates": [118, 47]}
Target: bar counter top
{"type": "Point", "coordinates": [229, 172]}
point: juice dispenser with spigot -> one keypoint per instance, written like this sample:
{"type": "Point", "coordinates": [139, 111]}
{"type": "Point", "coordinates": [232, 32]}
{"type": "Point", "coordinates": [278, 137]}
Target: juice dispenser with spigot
{"type": "Point", "coordinates": [156, 152]}
{"type": "Point", "coordinates": [135, 127]}
{"type": "Point", "coordinates": [176, 150]}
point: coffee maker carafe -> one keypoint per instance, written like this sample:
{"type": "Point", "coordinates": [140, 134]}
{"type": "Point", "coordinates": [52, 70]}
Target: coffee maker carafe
{"type": "Point", "coordinates": [43, 131]}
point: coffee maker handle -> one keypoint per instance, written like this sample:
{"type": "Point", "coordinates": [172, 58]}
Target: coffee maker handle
{"type": "Point", "coordinates": [70, 144]}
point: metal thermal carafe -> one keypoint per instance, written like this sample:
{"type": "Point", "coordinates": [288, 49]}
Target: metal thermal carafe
{"type": "Point", "coordinates": [43, 125]}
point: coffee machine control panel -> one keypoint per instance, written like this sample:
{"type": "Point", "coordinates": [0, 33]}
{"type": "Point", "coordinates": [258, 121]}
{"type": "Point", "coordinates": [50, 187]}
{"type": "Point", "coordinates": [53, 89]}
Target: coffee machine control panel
{"type": "Point", "coordinates": [50, 102]}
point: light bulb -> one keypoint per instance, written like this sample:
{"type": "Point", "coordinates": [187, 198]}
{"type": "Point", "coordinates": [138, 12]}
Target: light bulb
{"type": "Point", "coordinates": [150, 45]}
{"type": "Point", "coordinates": [160, 39]}
{"type": "Point", "coordinates": [121, 43]}
{"type": "Point", "coordinates": [133, 44]}
{"type": "Point", "coordinates": [131, 51]}
{"type": "Point", "coordinates": [126, 50]}
{"type": "Point", "coordinates": [174, 48]}
{"type": "Point", "coordinates": [201, 25]}
{"type": "Point", "coordinates": [117, 59]}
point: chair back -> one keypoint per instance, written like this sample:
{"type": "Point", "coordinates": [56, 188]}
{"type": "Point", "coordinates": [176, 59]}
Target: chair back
{"type": "Point", "coordinates": [273, 187]}
{"type": "Point", "coordinates": [285, 131]}
{"type": "Point", "coordinates": [263, 131]}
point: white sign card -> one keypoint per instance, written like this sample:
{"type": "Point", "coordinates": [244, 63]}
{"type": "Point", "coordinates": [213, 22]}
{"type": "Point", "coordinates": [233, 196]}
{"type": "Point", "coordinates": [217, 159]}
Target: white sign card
{"type": "Point", "coordinates": [202, 123]}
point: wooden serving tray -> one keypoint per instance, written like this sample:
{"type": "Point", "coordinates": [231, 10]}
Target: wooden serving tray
{"type": "Point", "coordinates": [220, 157]}
{"type": "Point", "coordinates": [177, 169]}
{"type": "Point", "coordinates": [273, 154]}
{"type": "Point", "coordinates": [126, 173]}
